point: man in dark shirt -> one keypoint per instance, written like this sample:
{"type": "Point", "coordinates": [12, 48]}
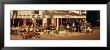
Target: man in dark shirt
{"type": "Point", "coordinates": [77, 26]}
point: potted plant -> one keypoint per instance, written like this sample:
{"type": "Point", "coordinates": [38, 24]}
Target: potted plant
{"type": "Point", "coordinates": [61, 29]}
{"type": "Point", "coordinates": [42, 30]}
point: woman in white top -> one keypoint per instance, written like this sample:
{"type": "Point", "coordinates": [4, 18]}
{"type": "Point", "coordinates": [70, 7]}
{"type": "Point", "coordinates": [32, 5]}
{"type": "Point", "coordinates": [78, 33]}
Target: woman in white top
{"type": "Point", "coordinates": [73, 26]}
{"type": "Point", "coordinates": [68, 27]}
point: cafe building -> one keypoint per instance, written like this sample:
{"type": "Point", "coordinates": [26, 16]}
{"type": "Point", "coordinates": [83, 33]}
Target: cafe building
{"type": "Point", "coordinates": [37, 18]}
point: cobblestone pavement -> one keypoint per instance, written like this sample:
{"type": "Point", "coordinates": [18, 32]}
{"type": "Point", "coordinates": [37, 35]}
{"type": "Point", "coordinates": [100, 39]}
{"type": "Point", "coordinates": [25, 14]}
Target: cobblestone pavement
{"type": "Point", "coordinates": [67, 36]}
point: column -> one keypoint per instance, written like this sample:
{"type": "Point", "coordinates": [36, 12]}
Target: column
{"type": "Point", "coordinates": [44, 22]}
{"type": "Point", "coordinates": [80, 12]}
{"type": "Point", "coordinates": [33, 22]}
{"type": "Point", "coordinates": [24, 22]}
{"type": "Point", "coordinates": [61, 21]}
{"type": "Point", "coordinates": [13, 18]}
{"type": "Point", "coordinates": [53, 21]}
{"type": "Point", "coordinates": [57, 23]}
{"type": "Point", "coordinates": [41, 13]}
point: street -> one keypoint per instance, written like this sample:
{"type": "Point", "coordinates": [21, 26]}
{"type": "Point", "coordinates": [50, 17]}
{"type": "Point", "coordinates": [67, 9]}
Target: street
{"type": "Point", "coordinates": [95, 35]}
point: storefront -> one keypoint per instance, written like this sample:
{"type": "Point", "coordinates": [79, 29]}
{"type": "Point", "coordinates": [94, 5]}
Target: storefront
{"type": "Point", "coordinates": [61, 21]}
{"type": "Point", "coordinates": [45, 20]}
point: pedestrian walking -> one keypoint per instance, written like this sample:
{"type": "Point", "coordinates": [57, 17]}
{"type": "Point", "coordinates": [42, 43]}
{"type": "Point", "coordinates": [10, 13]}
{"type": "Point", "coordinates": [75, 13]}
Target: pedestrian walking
{"type": "Point", "coordinates": [68, 27]}
{"type": "Point", "coordinates": [73, 26]}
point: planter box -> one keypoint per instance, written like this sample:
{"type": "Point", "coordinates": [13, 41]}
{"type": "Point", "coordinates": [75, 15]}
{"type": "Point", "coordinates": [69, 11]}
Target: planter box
{"type": "Point", "coordinates": [62, 32]}
{"type": "Point", "coordinates": [41, 33]}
